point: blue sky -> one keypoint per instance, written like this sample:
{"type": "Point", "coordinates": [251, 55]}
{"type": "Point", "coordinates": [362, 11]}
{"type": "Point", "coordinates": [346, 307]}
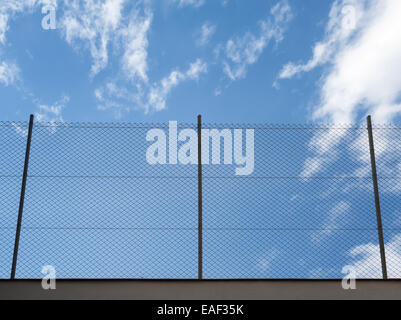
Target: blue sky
{"type": "Point", "coordinates": [104, 62]}
{"type": "Point", "coordinates": [51, 68]}
{"type": "Point", "coordinates": [261, 61]}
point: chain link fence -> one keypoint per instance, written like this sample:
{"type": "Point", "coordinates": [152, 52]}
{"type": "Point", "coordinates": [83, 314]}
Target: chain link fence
{"type": "Point", "coordinates": [95, 207]}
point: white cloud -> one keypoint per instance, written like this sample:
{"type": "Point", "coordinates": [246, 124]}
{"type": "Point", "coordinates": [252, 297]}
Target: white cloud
{"type": "Point", "coordinates": [364, 62]}
{"type": "Point", "coordinates": [361, 51]}
{"type": "Point", "coordinates": [3, 27]}
{"type": "Point", "coordinates": [184, 3]}
{"type": "Point", "coordinates": [207, 31]}
{"type": "Point", "coordinates": [195, 69]}
{"type": "Point", "coordinates": [134, 38]}
{"type": "Point", "coordinates": [52, 113]}
{"type": "Point", "coordinates": [92, 23]}
{"type": "Point", "coordinates": [367, 261]}
{"type": "Point", "coordinates": [323, 149]}
{"type": "Point", "coordinates": [244, 51]}
{"type": "Point", "coordinates": [117, 97]}
{"type": "Point", "coordinates": [343, 19]}
{"type": "Point", "coordinates": [20, 131]}
{"type": "Point", "coordinates": [363, 76]}
{"type": "Point", "coordinates": [106, 26]}
{"type": "Point", "coordinates": [9, 73]}
{"type": "Point", "coordinates": [159, 92]}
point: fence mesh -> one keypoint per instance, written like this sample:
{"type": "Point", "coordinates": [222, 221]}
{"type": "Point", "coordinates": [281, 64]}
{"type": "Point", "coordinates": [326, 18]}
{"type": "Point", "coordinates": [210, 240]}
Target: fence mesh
{"type": "Point", "coordinates": [388, 155]}
{"type": "Point", "coordinates": [278, 201]}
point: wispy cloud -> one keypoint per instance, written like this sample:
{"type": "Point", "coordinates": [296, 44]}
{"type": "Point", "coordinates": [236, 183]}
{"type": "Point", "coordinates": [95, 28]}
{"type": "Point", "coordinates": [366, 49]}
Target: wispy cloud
{"type": "Point", "coordinates": [19, 130]}
{"type": "Point", "coordinates": [241, 52]}
{"type": "Point", "coordinates": [118, 98]}
{"type": "Point", "coordinates": [52, 113]}
{"type": "Point", "coordinates": [205, 34]}
{"type": "Point", "coordinates": [92, 24]}
{"type": "Point", "coordinates": [48, 114]}
{"type": "Point", "coordinates": [159, 92]}
{"type": "Point", "coordinates": [145, 96]}
{"type": "Point", "coordinates": [108, 27]}
{"type": "Point", "coordinates": [3, 27]}
{"type": "Point", "coordinates": [9, 73]}
{"type": "Point", "coordinates": [184, 3]}
{"type": "Point", "coordinates": [135, 42]}
{"type": "Point", "coordinates": [343, 19]}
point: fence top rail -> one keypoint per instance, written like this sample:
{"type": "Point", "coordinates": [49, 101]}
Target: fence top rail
{"type": "Point", "coordinates": [260, 126]}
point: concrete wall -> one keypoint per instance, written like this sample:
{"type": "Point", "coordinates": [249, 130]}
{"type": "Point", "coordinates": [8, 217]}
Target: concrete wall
{"type": "Point", "coordinates": [200, 290]}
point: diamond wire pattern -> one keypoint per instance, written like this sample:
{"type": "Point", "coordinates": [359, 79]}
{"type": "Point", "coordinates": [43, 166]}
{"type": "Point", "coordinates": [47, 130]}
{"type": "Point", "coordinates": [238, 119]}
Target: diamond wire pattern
{"type": "Point", "coordinates": [94, 207]}
{"type": "Point", "coordinates": [306, 211]}
{"type": "Point", "coordinates": [12, 153]}
{"type": "Point", "coordinates": [388, 159]}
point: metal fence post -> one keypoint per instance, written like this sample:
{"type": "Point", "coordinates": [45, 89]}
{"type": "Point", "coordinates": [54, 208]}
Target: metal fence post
{"type": "Point", "coordinates": [377, 199]}
{"type": "Point", "coordinates": [200, 238]}
{"type": "Point", "coordinates": [22, 197]}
